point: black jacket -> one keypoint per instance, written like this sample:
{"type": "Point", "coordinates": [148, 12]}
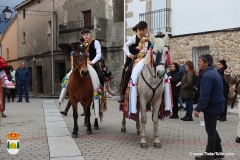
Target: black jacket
{"type": "Point", "coordinates": [176, 77]}
{"type": "Point", "coordinates": [225, 85]}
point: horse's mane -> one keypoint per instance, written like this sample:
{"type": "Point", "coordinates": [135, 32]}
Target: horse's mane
{"type": "Point", "coordinates": [158, 46]}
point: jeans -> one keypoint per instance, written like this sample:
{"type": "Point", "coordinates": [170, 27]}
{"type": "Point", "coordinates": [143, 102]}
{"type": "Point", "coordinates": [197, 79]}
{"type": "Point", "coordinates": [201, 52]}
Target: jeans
{"type": "Point", "coordinates": [214, 141]}
{"type": "Point", "coordinates": [189, 105]}
{"type": "Point", "coordinates": [180, 101]}
{"type": "Point", "coordinates": [25, 85]}
{"type": "Point", "coordinates": [224, 114]}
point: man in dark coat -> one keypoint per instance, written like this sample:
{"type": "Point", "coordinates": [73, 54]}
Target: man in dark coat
{"type": "Point", "coordinates": [211, 103]}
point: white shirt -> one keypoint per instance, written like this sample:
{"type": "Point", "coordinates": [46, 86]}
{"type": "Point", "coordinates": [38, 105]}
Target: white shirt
{"type": "Point", "coordinates": [132, 41]}
{"type": "Point", "coordinates": [98, 52]}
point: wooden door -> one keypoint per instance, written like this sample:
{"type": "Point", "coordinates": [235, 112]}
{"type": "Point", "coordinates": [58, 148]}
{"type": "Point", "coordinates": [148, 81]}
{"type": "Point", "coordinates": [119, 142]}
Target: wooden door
{"type": "Point", "coordinates": [87, 19]}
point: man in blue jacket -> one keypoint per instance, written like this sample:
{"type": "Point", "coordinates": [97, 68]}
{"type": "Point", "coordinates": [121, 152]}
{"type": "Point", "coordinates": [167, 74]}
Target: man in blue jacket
{"type": "Point", "coordinates": [22, 77]}
{"type": "Point", "coordinates": [211, 103]}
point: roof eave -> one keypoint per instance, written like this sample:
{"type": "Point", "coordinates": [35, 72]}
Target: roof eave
{"type": "Point", "coordinates": [19, 6]}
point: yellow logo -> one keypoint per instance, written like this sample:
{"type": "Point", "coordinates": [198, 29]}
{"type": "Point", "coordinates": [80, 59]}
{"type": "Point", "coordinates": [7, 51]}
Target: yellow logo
{"type": "Point", "coordinates": [13, 143]}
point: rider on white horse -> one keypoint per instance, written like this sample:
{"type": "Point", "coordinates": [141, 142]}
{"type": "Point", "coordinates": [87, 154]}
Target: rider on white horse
{"type": "Point", "coordinates": [142, 41]}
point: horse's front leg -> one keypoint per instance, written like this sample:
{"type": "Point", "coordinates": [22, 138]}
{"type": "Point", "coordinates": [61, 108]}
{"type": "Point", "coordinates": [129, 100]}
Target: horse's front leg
{"type": "Point", "coordinates": [75, 117]}
{"type": "Point", "coordinates": [138, 126]}
{"type": "Point", "coordinates": [87, 116]}
{"type": "Point", "coordinates": [123, 129]}
{"type": "Point", "coordinates": [156, 105]}
{"type": "Point", "coordinates": [143, 142]}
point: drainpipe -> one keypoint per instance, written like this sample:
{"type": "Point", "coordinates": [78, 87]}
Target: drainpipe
{"type": "Point", "coordinates": [52, 47]}
{"type": "Point", "coordinates": [124, 28]}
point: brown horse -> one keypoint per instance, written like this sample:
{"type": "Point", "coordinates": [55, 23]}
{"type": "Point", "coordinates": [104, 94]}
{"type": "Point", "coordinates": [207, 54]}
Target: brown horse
{"type": "Point", "coordinates": [80, 89]}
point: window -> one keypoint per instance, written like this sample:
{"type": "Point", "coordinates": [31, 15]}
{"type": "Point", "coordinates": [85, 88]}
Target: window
{"type": "Point", "coordinates": [7, 53]}
{"type": "Point", "coordinates": [24, 38]}
{"type": "Point", "coordinates": [49, 28]}
{"type": "Point", "coordinates": [198, 51]}
{"type": "Point", "coordinates": [24, 14]}
{"type": "Point", "coordinates": [60, 71]}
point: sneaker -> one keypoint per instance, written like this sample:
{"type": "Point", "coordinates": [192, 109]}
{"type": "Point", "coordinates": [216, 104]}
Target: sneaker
{"type": "Point", "coordinates": [109, 95]}
{"type": "Point", "coordinates": [19, 101]}
{"type": "Point", "coordinates": [83, 114]}
{"type": "Point", "coordinates": [181, 107]}
{"type": "Point", "coordinates": [110, 91]}
{"type": "Point", "coordinates": [202, 124]}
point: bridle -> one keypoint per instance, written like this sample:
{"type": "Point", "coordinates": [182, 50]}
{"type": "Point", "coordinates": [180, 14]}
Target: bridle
{"type": "Point", "coordinates": [155, 64]}
{"type": "Point", "coordinates": [77, 66]}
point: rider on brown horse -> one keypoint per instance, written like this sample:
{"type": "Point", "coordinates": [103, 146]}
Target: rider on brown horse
{"type": "Point", "coordinates": [93, 47]}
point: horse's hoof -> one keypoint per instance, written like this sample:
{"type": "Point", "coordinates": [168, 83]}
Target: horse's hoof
{"type": "Point", "coordinates": [74, 135]}
{"type": "Point", "coordinates": [157, 145]}
{"type": "Point", "coordinates": [89, 132]}
{"type": "Point", "coordinates": [96, 128]}
{"type": "Point", "coordinates": [123, 130]}
{"type": "Point", "coordinates": [143, 145]}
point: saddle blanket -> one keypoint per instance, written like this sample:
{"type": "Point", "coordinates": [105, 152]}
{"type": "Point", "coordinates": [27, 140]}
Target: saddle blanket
{"type": "Point", "coordinates": [133, 90]}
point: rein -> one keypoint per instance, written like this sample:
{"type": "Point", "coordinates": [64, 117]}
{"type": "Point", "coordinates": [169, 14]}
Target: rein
{"type": "Point", "coordinates": [77, 66]}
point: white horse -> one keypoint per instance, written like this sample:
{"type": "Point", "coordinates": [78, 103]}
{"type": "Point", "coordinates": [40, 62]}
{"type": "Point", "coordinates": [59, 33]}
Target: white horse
{"type": "Point", "coordinates": [150, 88]}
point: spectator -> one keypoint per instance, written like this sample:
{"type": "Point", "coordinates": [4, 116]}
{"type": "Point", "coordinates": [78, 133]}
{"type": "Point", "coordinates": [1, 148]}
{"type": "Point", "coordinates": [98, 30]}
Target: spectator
{"type": "Point", "coordinates": [221, 67]}
{"type": "Point", "coordinates": [211, 103]}
{"type": "Point", "coordinates": [181, 70]}
{"type": "Point", "coordinates": [234, 80]}
{"type": "Point", "coordinates": [175, 76]}
{"type": "Point", "coordinates": [187, 89]}
{"type": "Point", "coordinates": [11, 78]}
{"type": "Point", "coordinates": [196, 87]}
{"type": "Point", "coordinates": [22, 76]}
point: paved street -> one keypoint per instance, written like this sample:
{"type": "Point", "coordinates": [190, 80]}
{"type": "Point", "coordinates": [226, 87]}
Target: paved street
{"type": "Point", "coordinates": [178, 138]}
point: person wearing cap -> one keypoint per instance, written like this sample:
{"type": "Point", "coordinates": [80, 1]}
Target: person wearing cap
{"type": "Point", "coordinates": [93, 47]}
{"type": "Point", "coordinates": [222, 66]}
{"type": "Point", "coordinates": [141, 43]}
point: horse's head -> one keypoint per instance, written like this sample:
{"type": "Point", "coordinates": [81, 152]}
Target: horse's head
{"type": "Point", "coordinates": [159, 57]}
{"type": "Point", "coordinates": [80, 60]}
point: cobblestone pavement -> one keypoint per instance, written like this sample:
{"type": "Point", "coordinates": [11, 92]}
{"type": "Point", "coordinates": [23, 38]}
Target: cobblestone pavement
{"type": "Point", "coordinates": [179, 139]}
{"type": "Point", "coordinates": [28, 120]}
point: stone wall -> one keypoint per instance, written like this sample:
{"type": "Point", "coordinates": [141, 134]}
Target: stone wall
{"type": "Point", "coordinates": [223, 45]}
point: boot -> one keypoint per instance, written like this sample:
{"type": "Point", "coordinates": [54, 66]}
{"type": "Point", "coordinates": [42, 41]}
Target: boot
{"type": "Point", "coordinates": [188, 118]}
{"type": "Point", "coordinates": [174, 116]}
{"type": "Point", "coordinates": [237, 140]}
{"type": "Point", "coordinates": [8, 100]}
{"type": "Point", "coordinates": [12, 99]}
{"type": "Point", "coordinates": [121, 100]}
{"type": "Point", "coordinates": [184, 117]}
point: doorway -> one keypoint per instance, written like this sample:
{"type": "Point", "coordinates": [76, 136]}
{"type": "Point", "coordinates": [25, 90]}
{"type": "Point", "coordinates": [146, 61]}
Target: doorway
{"type": "Point", "coordinates": [39, 81]}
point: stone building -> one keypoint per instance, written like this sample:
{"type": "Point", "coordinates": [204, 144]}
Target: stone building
{"type": "Point", "coordinates": [103, 17]}
{"type": "Point", "coordinates": [35, 45]}
{"type": "Point", "coordinates": [105, 20]}
{"type": "Point", "coordinates": [9, 44]}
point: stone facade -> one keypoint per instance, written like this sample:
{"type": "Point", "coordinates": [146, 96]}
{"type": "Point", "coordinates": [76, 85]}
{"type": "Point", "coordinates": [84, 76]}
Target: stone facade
{"type": "Point", "coordinates": [35, 43]}
{"type": "Point", "coordinates": [108, 29]}
{"type": "Point", "coordinates": [222, 44]}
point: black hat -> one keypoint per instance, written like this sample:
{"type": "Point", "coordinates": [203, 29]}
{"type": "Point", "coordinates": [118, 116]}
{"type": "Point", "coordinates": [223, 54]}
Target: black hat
{"type": "Point", "coordinates": [85, 31]}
